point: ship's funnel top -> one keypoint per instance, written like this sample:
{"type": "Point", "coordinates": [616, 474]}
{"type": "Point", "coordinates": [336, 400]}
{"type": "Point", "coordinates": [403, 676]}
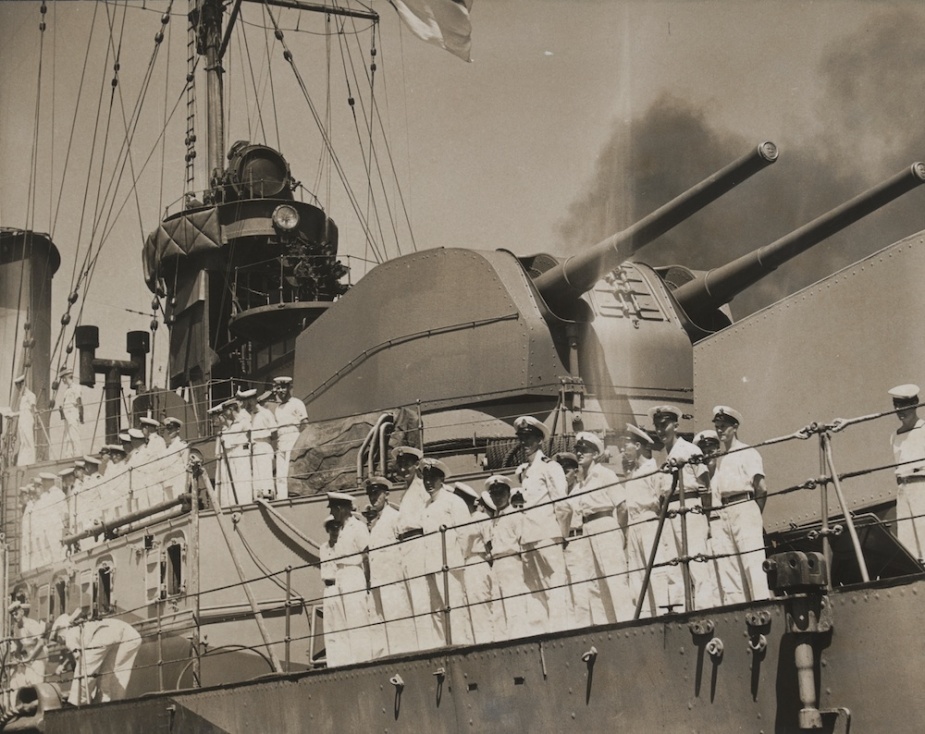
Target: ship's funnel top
{"type": "Point", "coordinates": [564, 283]}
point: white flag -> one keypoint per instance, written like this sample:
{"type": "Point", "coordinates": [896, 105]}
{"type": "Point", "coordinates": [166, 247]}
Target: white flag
{"type": "Point", "coordinates": [444, 23]}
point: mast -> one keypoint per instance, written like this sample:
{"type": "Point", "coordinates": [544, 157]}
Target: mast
{"type": "Point", "coordinates": [209, 42]}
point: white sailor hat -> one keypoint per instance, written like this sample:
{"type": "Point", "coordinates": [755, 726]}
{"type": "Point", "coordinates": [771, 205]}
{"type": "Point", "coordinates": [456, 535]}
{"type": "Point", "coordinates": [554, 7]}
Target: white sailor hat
{"type": "Point", "coordinates": [215, 409]}
{"type": "Point", "coordinates": [145, 421]}
{"type": "Point", "coordinates": [244, 394]}
{"type": "Point", "coordinates": [706, 435]}
{"type": "Point", "coordinates": [124, 437]}
{"type": "Point", "coordinates": [136, 434]}
{"type": "Point", "coordinates": [47, 476]}
{"type": "Point", "coordinates": [114, 449]}
{"type": "Point", "coordinates": [567, 456]}
{"type": "Point", "coordinates": [637, 434]}
{"type": "Point", "coordinates": [231, 403]}
{"type": "Point", "coordinates": [377, 481]}
{"type": "Point", "coordinates": [67, 470]}
{"type": "Point", "coordinates": [658, 410]}
{"type": "Point", "coordinates": [486, 500]}
{"type": "Point", "coordinates": [335, 497]}
{"type": "Point", "coordinates": [330, 520]}
{"type": "Point", "coordinates": [15, 606]}
{"type": "Point", "coordinates": [264, 396]}
{"type": "Point", "coordinates": [435, 465]}
{"type": "Point", "coordinates": [171, 422]}
{"type": "Point", "coordinates": [400, 451]}
{"type": "Point", "coordinates": [282, 380]}
{"type": "Point", "coordinates": [496, 479]}
{"type": "Point", "coordinates": [465, 489]}
{"type": "Point", "coordinates": [527, 423]}
{"type": "Point", "coordinates": [589, 438]}
{"type": "Point", "coordinates": [65, 372]}
{"type": "Point", "coordinates": [21, 378]}
{"type": "Point", "coordinates": [80, 464]}
{"type": "Point", "coordinates": [905, 393]}
{"type": "Point", "coordinates": [91, 460]}
{"type": "Point", "coordinates": [724, 411]}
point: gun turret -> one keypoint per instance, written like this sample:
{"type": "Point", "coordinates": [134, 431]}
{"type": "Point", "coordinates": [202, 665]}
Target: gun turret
{"type": "Point", "coordinates": [565, 282]}
{"type": "Point", "coordinates": [701, 297]}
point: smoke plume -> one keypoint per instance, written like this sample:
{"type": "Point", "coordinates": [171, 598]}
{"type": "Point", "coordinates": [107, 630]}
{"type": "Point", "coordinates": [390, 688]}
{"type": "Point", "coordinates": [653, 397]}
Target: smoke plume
{"type": "Point", "coordinates": [871, 112]}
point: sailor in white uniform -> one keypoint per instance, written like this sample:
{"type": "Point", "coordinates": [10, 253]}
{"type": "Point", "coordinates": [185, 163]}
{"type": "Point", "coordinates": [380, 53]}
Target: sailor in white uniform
{"type": "Point", "coordinates": [740, 485]}
{"type": "Point", "coordinates": [579, 565]}
{"type": "Point", "coordinates": [693, 483]}
{"type": "Point", "coordinates": [350, 611]}
{"type": "Point", "coordinates": [393, 630]}
{"type": "Point", "coordinates": [645, 489]}
{"type": "Point", "coordinates": [237, 451]}
{"type": "Point", "coordinates": [508, 578]}
{"type": "Point", "coordinates": [262, 435]}
{"type": "Point", "coordinates": [542, 483]}
{"type": "Point", "coordinates": [104, 652]}
{"type": "Point", "coordinates": [155, 442]}
{"type": "Point", "coordinates": [291, 418]}
{"type": "Point", "coordinates": [908, 445]}
{"type": "Point", "coordinates": [406, 461]}
{"type": "Point", "coordinates": [175, 460]}
{"type": "Point", "coordinates": [72, 412]}
{"type": "Point", "coordinates": [476, 580]}
{"type": "Point", "coordinates": [443, 509]}
{"type": "Point", "coordinates": [26, 424]}
{"type": "Point", "coordinates": [597, 495]}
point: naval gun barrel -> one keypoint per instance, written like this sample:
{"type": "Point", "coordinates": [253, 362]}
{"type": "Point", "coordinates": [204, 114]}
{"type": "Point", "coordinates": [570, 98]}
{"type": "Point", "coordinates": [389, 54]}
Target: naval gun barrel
{"type": "Point", "coordinates": [702, 296]}
{"type": "Point", "coordinates": [577, 274]}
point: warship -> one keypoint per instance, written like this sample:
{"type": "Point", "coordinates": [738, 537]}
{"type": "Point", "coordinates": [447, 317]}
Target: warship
{"type": "Point", "coordinates": [442, 349]}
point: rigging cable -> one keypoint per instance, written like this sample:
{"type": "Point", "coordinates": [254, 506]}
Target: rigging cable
{"type": "Point", "coordinates": [287, 55]}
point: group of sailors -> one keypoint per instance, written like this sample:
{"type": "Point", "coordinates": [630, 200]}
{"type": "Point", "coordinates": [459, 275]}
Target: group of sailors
{"type": "Point", "coordinates": [567, 548]}
{"type": "Point", "coordinates": [141, 471]}
{"type": "Point", "coordinates": [100, 652]}
{"type": "Point", "coordinates": [254, 444]}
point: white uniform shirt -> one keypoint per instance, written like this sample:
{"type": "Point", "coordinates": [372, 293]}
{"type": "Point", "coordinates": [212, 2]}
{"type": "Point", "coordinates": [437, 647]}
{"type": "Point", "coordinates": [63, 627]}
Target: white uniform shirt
{"type": "Point", "coordinates": [156, 446]}
{"type": "Point", "coordinates": [70, 402]}
{"type": "Point", "coordinates": [596, 491]}
{"type": "Point", "coordinates": [235, 434]}
{"type": "Point", "coordinates": [506, 532]}
{"type": "Point", "coordinates": [910, 446]}
{"type": "Point", "coordinates": [384, 557]}
{"type": "Point", "coordinates": [289, 417]}
{"type": "Point", "coordinates": [263, 424]}
{"type": "Point", "coordinates": [693, 474]}
{"type": "Point", "coordinates": [351, 543]}
{"type": "Point", "coordinates": [443, 508]}
{"type": "Point", "coordinates": [412, 506]}
{"type": "Point", "coordinates": [644, 487]}
{"type": "Point", "coordinates": [542, 480]}
{"type": "Point", "coordinates": [735, 472]}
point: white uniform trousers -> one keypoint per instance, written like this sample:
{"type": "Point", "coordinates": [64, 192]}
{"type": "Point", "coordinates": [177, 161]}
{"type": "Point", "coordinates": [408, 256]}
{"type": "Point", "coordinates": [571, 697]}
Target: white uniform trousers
{"type": "Point", "coordinates": [476, 587]}
{"type": "Point", "coordinates": [509, 599]}
{"type": "Point", "coordinates": [459, 619]}
{"type": "Point", "coordinates": [910, 517]}
{"type": "Point", "coordinates": [608, 553]}
{"type": "Point", "coordinates": [240, 462]}
{"type": "Point", "coordinates": [346, 618]}
{"type": "Point", "coordinates": [110, 654]}
{"type": "Point", "coordinates": [263, 484]}
{"type": "Point", "coordinates": [639, 541]}
{"type": "Point", "coordinates": [703, 580]}
{"type": "Point", "coordinates": [392, 631]}
{"type": "Point", "coordinates": [738, 532]}
{"type": "Point", "coordinates": [583, 593]}
{"type": "Point", "coordinates": [544, 572]}
{"type": "Point", "coordinates": [427, 625]}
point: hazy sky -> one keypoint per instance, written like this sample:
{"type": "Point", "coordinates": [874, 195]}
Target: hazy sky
{"type": "Point", "coordinates": [575, 117]}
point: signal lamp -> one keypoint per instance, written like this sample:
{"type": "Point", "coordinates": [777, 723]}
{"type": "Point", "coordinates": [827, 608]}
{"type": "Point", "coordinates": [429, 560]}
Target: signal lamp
{"type": "Point", "coordinates": [285, 217]}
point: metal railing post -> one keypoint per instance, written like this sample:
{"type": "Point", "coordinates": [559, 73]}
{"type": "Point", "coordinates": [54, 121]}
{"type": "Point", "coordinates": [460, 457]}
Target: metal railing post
{"type": "Point", "coordinates": [662, 515]}
{"type": "Point", "coordinates": [288, 639]}
{"type": "Point", "coordinates": [447, 628]}
{"type": "Point", "coordinates": [849, 521]}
